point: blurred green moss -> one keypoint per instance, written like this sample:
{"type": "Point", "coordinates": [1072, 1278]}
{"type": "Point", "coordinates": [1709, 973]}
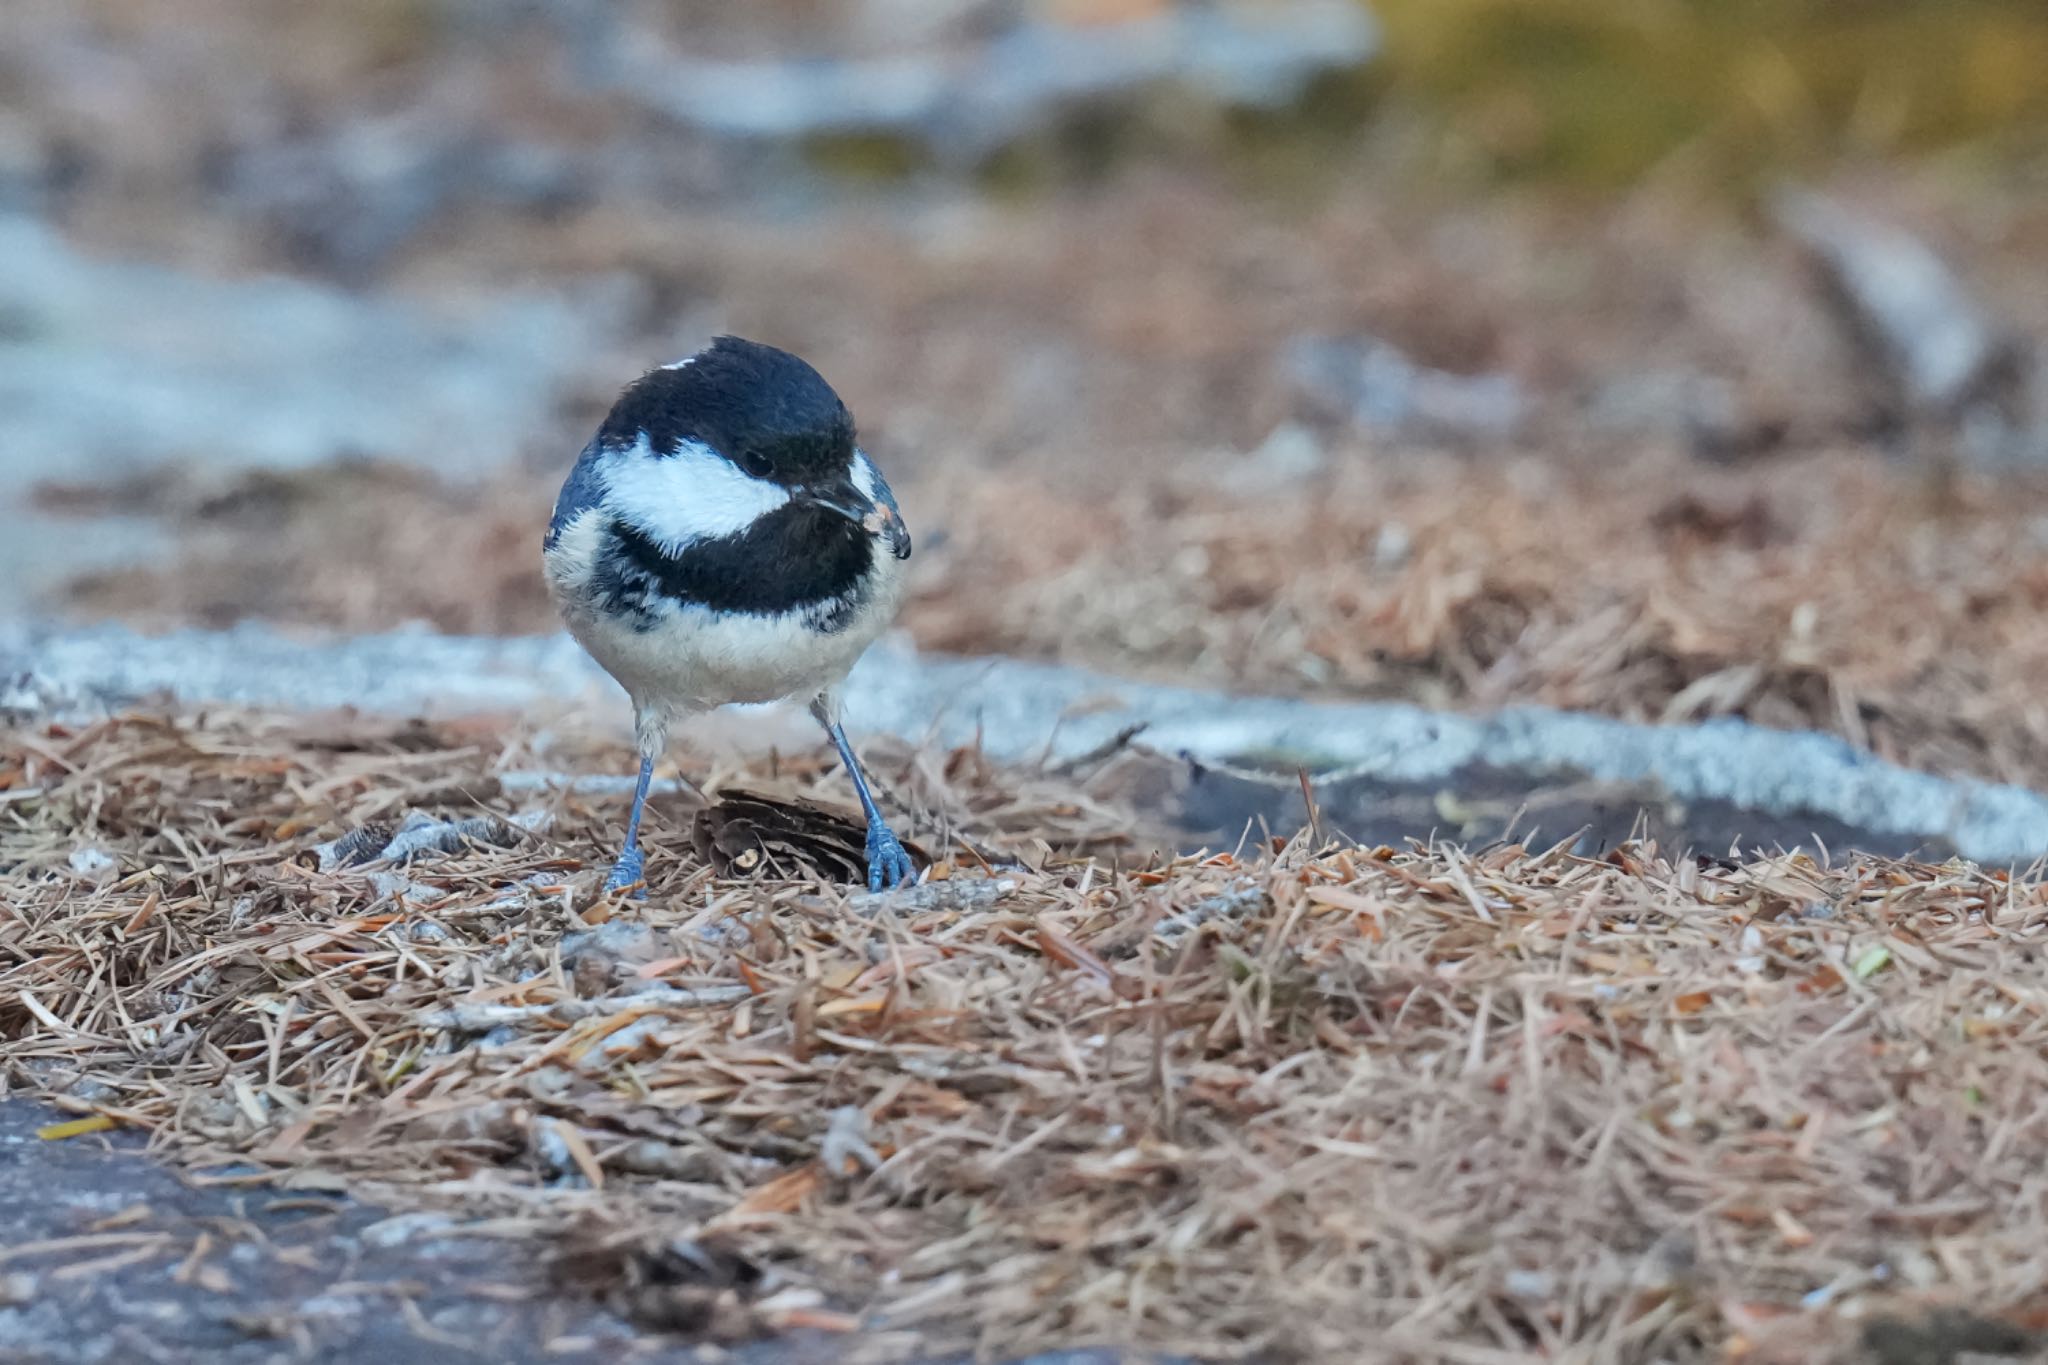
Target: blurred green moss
{"type": "Point", "coordinates": [1287, 151]}
{"type": "Point", "coordinates": [1605, 91]}
{"type": "Point", "coordinates": [1590, 93]}
{"type": "Point", "coordinates": [881, 158]}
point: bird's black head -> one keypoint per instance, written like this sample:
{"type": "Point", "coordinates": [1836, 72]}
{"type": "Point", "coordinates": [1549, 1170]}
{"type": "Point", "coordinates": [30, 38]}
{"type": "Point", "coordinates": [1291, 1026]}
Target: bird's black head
{"type": "Point", "coordinates": [765, 410]}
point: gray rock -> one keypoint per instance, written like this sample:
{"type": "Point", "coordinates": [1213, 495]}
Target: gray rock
{"type": "Point", "coordinates": [1704, 409]}
{"type": "Point", "coordinates": [1370, 383]}
{"type": "Point", "coordinates": [967, 101]}
{"type": "Point", "coordinates": [1942, 356]}
{"type": "Point", "coordinates": [1288, 457]}
{"type": "Point", "coordinates": [347, 198]}
{"type": "Point", "coordinates": [1913, 308]}
{"type": "Point", "coordinates": [110, 368]}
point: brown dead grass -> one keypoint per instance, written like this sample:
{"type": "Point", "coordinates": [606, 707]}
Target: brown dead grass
{"type": "Point", "coordinates": [1899, 607]}
{"type": "Point", "coordinates": [1359, 1104]}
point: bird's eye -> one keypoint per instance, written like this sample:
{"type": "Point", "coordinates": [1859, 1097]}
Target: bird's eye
{"type": "Point", "coordinates": [757, 464]}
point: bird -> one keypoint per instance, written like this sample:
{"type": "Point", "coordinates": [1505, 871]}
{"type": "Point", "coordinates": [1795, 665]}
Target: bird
{"type": "Point", "coordinates": [724, 538]}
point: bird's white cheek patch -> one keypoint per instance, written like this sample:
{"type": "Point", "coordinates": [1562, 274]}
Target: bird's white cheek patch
{"type": "Point", "coordinates": [695, 494]}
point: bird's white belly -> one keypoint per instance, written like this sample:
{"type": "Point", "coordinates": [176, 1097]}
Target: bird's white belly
{"type": "Point", "coordinates": [691, 658]}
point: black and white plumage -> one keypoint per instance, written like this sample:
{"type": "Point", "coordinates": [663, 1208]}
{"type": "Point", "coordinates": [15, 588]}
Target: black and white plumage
{"type": "Point", "coordinates": [723, 538]}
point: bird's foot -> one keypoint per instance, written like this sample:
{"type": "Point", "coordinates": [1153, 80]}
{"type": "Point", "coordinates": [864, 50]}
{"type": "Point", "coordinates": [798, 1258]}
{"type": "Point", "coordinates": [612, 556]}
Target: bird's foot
{"type": "Point", "coordinates": [888, 865]}
{"type": "Point", "coordinates": [627, 871]}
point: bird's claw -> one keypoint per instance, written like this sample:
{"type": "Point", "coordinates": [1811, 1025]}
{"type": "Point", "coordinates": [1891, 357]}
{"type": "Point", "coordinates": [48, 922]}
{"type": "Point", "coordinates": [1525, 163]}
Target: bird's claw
{"type": "Point", "coordinates": [888, 865]}
{"type": "Point", "coordinates": [627, 871]}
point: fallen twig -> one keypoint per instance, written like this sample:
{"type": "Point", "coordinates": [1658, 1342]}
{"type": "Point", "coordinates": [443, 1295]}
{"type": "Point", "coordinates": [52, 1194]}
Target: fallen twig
{"type": "Point", "coordinates": [484, 1018]}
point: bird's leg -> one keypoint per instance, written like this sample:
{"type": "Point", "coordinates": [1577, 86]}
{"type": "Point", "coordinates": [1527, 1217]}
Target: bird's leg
{"type": "Point", "coordinates": [888, 864]}
{"type": "Point", "coordinates": [629, 868]}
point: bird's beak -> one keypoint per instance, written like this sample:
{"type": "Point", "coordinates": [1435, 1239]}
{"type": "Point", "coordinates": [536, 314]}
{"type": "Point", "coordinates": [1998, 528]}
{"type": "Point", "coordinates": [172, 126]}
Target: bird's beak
{"type": "Point", "coordinates": [876, 519]}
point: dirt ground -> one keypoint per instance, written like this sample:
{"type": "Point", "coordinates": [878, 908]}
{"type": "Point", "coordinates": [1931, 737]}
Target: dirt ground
{"type": "Point", "coordinates": [1499, 1104]}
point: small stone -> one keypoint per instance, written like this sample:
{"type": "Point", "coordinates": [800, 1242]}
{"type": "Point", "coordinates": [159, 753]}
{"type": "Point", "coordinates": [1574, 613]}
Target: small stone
{"type": "Point", "coordinates": [1392, 546]}
{"type": "Point", "coordinates": [406, 1227]}
{"type": "Point", "coordinates": [91, 862]}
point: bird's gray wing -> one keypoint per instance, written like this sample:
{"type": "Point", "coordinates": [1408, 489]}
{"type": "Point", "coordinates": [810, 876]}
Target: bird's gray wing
{"type": "Point", "coordinates": [583, 489]}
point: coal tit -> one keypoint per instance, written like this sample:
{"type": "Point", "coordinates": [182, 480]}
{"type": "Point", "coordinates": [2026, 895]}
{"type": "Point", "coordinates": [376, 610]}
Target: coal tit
{"type": "Point", "coordinates": [724, 538]}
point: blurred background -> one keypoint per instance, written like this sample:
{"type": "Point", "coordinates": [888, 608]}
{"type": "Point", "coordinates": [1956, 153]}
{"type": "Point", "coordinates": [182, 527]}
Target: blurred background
{"type": "Point", "coordinates": [1661, 358]}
